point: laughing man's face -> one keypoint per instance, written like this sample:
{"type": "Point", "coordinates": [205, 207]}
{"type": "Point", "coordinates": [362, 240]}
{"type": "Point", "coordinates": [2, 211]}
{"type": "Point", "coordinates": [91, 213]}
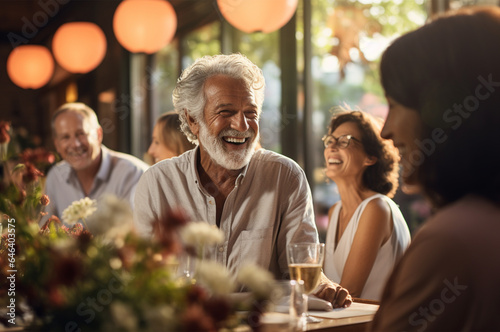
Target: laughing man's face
{"type": "Point", "coordinates": [230, 128]}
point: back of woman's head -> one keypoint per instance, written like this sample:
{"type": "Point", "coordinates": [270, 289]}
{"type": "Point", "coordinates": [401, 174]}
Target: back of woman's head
{"type": "Point", "coordinates": [449, 72]}
{"type": "Point", "coordinates": [381, 177]}
{"type": "Point", "coordinates": [171, 135]}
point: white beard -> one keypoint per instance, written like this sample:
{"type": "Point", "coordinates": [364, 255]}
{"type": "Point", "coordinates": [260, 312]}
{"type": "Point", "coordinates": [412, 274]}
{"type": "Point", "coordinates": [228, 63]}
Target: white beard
{"type": "Point", "coordinates": [215, 148]}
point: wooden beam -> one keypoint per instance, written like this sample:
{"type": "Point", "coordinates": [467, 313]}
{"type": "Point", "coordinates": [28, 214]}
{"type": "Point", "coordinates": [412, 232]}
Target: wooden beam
{"type": "Point", "coordinates": [289, 88]}
{"type": "Point", "coordinates": [309, 143]}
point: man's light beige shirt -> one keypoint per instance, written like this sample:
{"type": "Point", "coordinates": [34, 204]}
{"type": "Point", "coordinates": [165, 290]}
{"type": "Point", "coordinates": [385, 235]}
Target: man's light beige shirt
{"type": "Point", "coordinates": [270, 206]}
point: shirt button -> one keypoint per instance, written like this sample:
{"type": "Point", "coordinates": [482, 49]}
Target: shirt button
{"type": "Point", "coordinates": [211, 202]}
{"type": "Point", "coordinates": [221, 249]}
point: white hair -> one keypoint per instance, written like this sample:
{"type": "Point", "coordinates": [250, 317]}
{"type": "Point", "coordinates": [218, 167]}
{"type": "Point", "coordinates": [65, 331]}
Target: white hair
{"type": "Point", "coordinates": [188, 96]}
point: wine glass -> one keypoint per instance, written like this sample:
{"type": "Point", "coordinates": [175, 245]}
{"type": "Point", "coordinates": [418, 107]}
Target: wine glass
{"type": "Point", "coordinates": [305, 261]}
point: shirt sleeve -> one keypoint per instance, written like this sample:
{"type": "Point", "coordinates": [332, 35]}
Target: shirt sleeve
{"type": "Point", "coordinates": [129, 174]}
{"type": "Point", "coordinates": [144, 212]}
{"type": "Point", "coordinates": [298, 223]}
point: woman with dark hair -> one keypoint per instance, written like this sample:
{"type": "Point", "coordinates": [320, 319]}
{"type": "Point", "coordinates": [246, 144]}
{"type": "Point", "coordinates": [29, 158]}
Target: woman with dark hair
{"type": "Point", "coordinates": [442, 82]}
{"type": "Point", "coordinates": [168, 139]}
{"type": "Point", "coordinates": [367, 233]}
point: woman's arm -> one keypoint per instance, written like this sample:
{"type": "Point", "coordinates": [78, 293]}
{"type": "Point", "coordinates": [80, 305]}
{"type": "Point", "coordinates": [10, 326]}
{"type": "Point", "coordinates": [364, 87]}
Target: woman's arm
{"type": "Point", "coordinates": [374, 229]}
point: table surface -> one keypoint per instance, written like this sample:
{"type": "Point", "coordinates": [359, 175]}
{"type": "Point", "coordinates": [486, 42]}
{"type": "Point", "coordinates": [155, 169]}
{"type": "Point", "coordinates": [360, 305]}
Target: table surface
{"type": "Point", "coordinates": [353, 321]}
{"type": "Point", "coordinates": [347, 324]}
{"type": "Point", "coordinates": [357, 323]}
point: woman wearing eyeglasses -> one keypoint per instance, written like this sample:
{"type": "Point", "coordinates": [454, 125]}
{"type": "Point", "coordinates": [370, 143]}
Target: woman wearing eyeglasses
{"type": "Point", "coordinates": [367, 233]}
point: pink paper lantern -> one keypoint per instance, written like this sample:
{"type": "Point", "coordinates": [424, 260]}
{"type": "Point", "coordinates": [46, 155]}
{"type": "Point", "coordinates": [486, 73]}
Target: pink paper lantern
{"type": "Point", "coordinates": [144, 26]}
{"type": "Point", "coordinates": [79, 47]}
{"type": "Point", "coordinates": [257, 15]}
{"type": "Point", "coordinates": [30, 66]}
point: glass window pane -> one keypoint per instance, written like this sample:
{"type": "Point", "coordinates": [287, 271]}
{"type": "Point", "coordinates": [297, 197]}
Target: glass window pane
{"type": "Point", "coordinates": [164, 78]}
{"type": "Point", "coordinates": [348, 39]}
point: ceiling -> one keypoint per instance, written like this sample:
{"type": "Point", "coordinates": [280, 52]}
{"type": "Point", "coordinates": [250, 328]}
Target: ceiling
{"type": "Point", "coordinates": [39, 19]}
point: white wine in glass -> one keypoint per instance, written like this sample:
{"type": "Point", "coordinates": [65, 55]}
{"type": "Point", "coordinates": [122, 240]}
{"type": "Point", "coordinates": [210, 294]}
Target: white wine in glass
{"type": "Point", "coordinates": [304, 262]}
{"type": "Point", "coordinates": [308, 273]}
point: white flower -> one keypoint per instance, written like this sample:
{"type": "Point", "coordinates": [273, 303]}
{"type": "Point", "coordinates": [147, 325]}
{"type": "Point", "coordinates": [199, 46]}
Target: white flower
{"type": "Point", "coordinates": [215, 277]}
{"type": "Point", "coordinates": [113, 218]}
{"type": "Point", "coordinates": [258, 280]}
{"type": "Point", "coordinates": [81, 209]}
{"type": "Point", "coordinates": [201, 234]}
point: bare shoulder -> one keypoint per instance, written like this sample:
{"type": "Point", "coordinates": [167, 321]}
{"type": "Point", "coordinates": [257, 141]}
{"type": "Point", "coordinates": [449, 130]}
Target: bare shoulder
{"type": "Point", "coordinates": [379, 205]}
{"type": "Point", "coordinates": [377, 211]}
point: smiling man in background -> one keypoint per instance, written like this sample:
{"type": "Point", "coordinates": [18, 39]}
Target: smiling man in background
{"type": "Point", "coordinates": [88, 169]}
{"type": "Point", "coordinates": [259, 199]}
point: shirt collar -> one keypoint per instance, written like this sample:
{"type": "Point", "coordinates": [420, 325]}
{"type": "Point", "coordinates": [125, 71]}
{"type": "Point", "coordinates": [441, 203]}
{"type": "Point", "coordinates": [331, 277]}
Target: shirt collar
{"type": "Point", "coordinates": [105, 168]}
{"type": "Point", "coordinates": [103, 172]}
{"type": "Point", "coordinates": [196, 176]}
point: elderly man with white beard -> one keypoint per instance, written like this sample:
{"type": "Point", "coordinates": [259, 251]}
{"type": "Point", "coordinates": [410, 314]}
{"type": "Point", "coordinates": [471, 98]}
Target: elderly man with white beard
{"type": "Point", "coordinates": [259, 199]}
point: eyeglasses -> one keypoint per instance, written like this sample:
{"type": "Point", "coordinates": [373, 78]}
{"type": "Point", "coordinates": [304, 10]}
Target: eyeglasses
{"type": "Point", "coordinates": [342, 141]}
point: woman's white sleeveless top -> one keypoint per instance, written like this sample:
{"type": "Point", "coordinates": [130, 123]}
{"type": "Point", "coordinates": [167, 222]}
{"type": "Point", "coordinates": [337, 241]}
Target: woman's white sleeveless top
{"type": "Point", "coordinates": [387, 256]}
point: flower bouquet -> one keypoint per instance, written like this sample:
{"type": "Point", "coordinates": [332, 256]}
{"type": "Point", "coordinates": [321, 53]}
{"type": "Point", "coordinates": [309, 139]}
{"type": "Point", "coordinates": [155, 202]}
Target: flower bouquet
{"type": "Point", "coordinates": [65, 276]}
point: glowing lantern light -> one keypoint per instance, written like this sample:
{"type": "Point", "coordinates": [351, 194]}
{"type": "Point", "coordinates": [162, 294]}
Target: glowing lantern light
{"type": "Point", "coordinates": [30, 66]}
{"type": "Point", "coordinates": [257, 15]}
{"type": "Point", "coordinates": [144, 25]}
{"type": "Point", "coordinates": [79, 47]}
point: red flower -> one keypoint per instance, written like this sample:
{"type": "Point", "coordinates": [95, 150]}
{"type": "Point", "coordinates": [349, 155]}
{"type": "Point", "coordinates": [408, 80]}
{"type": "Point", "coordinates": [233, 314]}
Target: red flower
{"type": "Point", "coordinates": [196, 319]}
{"type": "Point", "coordinates": [56, 297]}
{"type": "Point", "coordinates": [4, 132]}
{"type": "Point", "coordinates": [172, 219]}
{"type": "Point", "coordinates": [31, 173]}
{"type": "Point", "coordinates": [165, 230]}
{"type": "Point", "coordinates": [196, 294]}
{"type": "Point", "coordinates": [52, 219]}
{"type": "Point", "coordinates": [84, 239]}
{"type": "Point", "coordinates": [67, 270]}
{"type": "Point", "coordinates": [218, 308]}
{"type": "Point", "coordinates": [44, 200]}
{"type": "Point", "coordinates": [127, 255]}
{"type": "Point", "coordinates": [38, 155]}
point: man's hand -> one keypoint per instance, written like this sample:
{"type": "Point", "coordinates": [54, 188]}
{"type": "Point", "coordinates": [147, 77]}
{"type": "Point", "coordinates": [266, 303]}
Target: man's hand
{"type": "Point", "coordinates": [332, 292]}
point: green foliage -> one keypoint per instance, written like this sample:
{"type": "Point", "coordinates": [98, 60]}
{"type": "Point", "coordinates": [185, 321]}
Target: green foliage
{"type": "Point", "coordinates": [259, 47]}
{"type": "Point", "coordinates": [393, 17]}
{"type": "Point", "coordinates": [204, 41]}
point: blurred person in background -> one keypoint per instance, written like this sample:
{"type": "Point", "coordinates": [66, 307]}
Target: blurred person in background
{"type": "Point", "coordinates": [88, 169]}
{"type": "Point", "coordinates": [168, 140]}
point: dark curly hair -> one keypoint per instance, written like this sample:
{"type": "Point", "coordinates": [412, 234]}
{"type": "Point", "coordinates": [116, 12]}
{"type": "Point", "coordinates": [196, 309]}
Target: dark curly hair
{"type": "Point", "coordinates": [381, 177]}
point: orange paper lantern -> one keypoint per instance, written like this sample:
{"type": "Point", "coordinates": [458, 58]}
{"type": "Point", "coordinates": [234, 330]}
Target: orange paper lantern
{"type": "Point", "coordinates": [30, 66]}
{"type": "Point", "coordinates": [144, 25]}
{"type": "Point", "coordinates": [257, 15]}
{"type": "Point", "coordinates": [79, 47]}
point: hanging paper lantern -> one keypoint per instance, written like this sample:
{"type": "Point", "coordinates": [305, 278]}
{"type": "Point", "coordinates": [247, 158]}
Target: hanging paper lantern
{"type": "Point", "coordinates": [79, 47]}
{"type": "Point", "coordinates": [257, 15]}
{"type": "Point", "coordinates": [144, 25]}
{"type": "Point", "coordinates": [30, 66]}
